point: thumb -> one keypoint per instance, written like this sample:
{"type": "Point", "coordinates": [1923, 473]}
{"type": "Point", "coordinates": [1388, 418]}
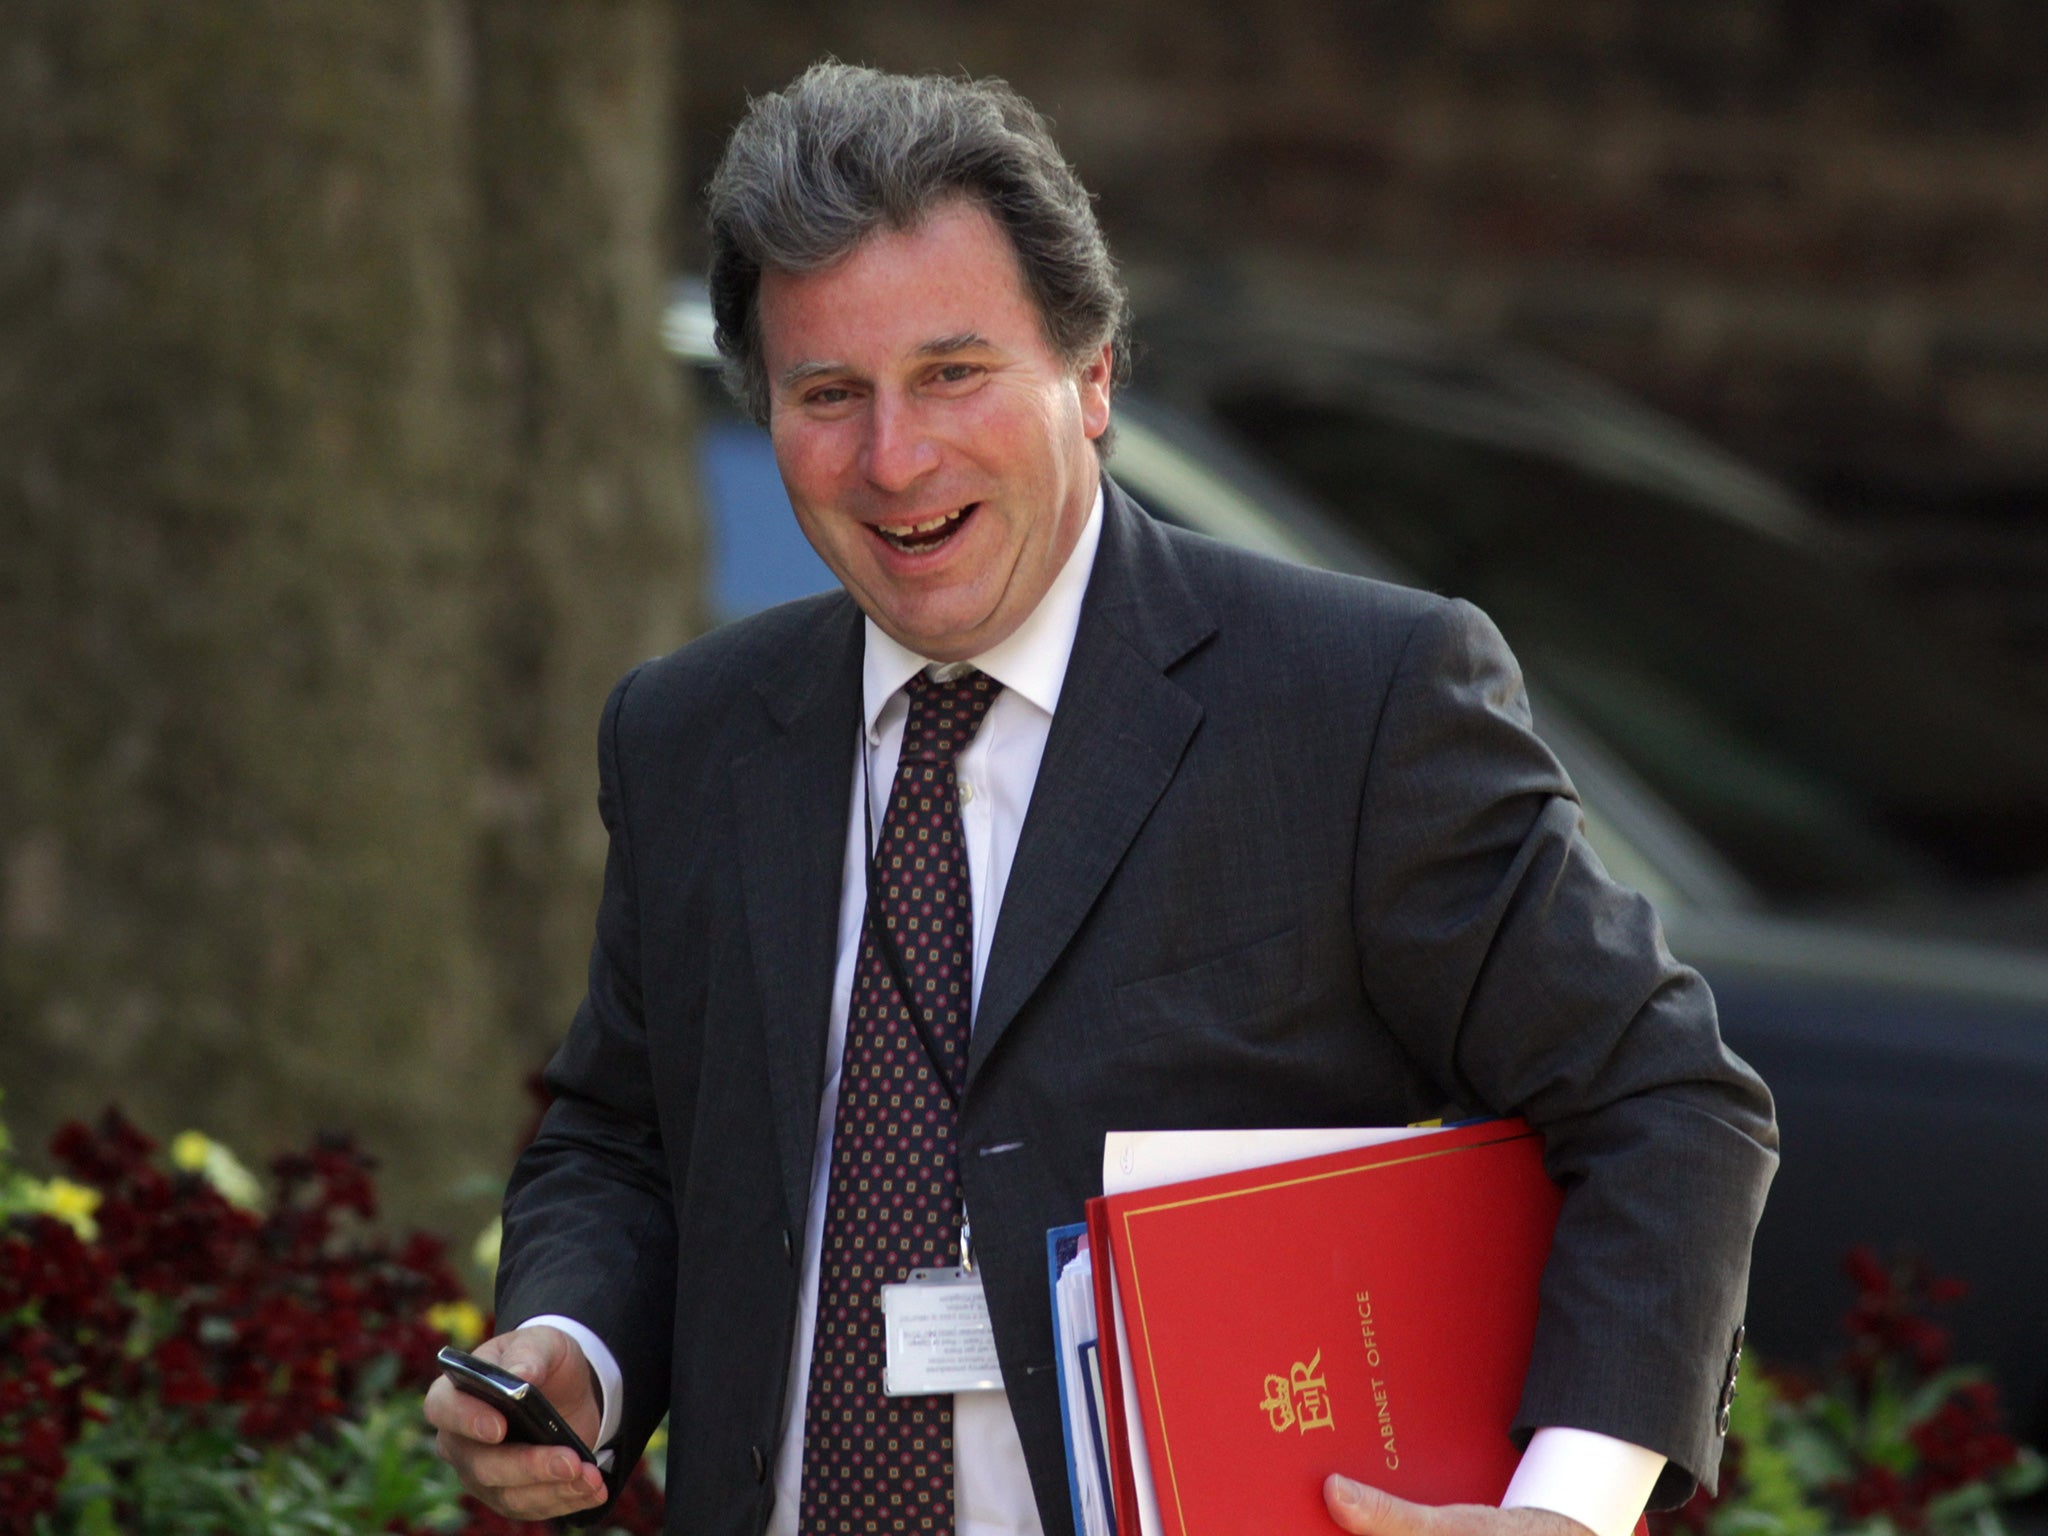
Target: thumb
{"type": "Point", "coordinates": [532, 1354]}
{"type": "Point", "coordinates": [1361, 1508]}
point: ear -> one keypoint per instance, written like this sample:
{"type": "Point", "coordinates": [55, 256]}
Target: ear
{"type": "Point", "coordinates": [1092, 379]}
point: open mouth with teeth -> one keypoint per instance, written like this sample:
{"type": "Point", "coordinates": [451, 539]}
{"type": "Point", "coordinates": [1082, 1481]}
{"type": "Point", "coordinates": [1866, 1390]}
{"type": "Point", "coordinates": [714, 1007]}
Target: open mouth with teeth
{"type": "Point", "coordinates": [916, 538]}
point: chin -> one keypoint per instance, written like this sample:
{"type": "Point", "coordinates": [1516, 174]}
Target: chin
{"type": "Point", "coordinates": [942, 637]}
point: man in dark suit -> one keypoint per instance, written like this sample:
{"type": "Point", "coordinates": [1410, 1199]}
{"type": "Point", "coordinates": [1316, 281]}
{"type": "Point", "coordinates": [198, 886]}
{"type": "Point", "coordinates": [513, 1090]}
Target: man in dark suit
{"type": "Point", "coordinates": [1212, 841]}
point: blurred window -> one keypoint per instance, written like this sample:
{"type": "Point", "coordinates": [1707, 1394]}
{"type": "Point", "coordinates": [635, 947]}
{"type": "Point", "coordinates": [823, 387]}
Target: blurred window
{"type": "Point", "coordinates": [759, 556]}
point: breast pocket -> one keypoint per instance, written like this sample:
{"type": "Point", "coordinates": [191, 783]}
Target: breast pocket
{"type": "Point", "coordinates": [1235, 990]}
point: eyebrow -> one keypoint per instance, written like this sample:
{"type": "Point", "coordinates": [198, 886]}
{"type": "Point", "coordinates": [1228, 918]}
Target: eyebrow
{"type": "Point", "coordinates": [964, 341]}
{"type": "Point", "coordinates": [938, 346]}
{"type": "Point", "coordinates": [791, 377]}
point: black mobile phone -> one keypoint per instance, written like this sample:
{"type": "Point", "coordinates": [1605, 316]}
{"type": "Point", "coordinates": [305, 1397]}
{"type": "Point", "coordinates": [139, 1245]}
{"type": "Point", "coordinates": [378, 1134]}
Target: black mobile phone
{"type": "Point", "coordinates": [529, 1416]}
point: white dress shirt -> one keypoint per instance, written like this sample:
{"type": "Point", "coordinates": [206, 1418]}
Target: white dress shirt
{"type": "Point", "coordinates": [1601, 1482]}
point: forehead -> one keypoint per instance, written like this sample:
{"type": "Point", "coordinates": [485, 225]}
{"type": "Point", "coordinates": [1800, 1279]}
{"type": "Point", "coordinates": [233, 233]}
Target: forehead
{"type": "Point", "coordinates": [954, 275]}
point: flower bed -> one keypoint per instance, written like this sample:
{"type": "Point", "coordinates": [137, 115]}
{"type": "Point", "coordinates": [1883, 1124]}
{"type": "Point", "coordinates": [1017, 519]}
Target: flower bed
{"type": "Point", "coordinates": [1894, 1440]}
{"type": "Point", "coordinates": [178, 1355]}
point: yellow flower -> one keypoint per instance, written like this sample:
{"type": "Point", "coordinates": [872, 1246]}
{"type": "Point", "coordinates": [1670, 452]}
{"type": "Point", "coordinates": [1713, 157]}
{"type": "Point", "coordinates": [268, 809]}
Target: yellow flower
{"type": "Point", "coordinates": [188, 1150]}
{"type": "Point", "coordinates": [72, 1204]}
{"type": "Point", "coordinates": [196, 1152]}
{"type": "Point", "coordinates": [485, 1253]}
{"type": "Point", "coordinates": [460, 1320]}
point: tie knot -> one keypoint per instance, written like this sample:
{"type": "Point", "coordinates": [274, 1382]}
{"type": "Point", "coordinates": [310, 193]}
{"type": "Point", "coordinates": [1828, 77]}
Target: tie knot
{"type": "Point", "coordinates": [944, 715]}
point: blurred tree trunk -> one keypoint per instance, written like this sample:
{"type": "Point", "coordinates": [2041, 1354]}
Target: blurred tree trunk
{"type": "Point", "coordinates": [339, 473]}
{"type": "Point", "coordinates": [574, 109]}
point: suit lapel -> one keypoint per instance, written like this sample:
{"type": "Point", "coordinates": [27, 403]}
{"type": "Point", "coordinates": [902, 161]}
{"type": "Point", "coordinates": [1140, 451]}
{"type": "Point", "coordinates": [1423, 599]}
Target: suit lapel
{"type": "Point", "coordinates": [792, 794]}
{"type": "Point", "coordinates": [1117, 739]}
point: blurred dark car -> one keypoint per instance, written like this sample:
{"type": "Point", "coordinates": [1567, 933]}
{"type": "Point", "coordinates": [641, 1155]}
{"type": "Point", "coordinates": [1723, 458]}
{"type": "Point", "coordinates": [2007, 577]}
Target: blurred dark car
{"type": "Point", "coordinates": [1842, 819]}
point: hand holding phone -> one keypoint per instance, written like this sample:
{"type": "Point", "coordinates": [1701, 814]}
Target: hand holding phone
{"type": "Point", "coordinates": [529, 1416]}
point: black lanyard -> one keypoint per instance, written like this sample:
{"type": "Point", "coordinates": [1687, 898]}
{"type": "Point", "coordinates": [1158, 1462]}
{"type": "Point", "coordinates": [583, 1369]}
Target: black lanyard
{"type": "Point", "coordinates": [885, 942]}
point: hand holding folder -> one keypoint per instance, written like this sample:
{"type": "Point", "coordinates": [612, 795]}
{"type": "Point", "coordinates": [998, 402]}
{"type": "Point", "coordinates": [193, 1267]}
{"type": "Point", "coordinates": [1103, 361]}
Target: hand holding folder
{"type": "Point", "coordinates": [1367, 1511]}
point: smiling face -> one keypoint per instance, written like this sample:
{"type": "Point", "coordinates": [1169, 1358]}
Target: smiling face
{"type": "Point", "coordinates": [937, 450]}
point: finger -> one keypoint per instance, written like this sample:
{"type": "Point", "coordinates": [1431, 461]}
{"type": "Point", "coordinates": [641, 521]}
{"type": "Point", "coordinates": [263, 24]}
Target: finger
{"type": "Point", "coordinates": [1358, 1507]}
{"type": "Point", "coordinates": [539, 1503]}
{"type": "Point", "coordinates": [1361, 1508]}
{"type": "Point", "coordinates": [531, 1482]}
{"type": "Point", "coordinates": [572, 1485]}
{"type": "Point", "coordinates": [460, 1414]}
{"type": "Point", "coordinates": [528, 1466]}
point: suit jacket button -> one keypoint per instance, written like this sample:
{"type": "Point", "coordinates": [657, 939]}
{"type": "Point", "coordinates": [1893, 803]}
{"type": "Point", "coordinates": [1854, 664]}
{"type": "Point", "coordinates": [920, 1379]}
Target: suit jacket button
{"type": "Point", "coordinates": [788, 1246]}
{"type": "Point", "coordinates": [1729, 1375]}
{"type": "Point", "coordinates": [760, 1463]}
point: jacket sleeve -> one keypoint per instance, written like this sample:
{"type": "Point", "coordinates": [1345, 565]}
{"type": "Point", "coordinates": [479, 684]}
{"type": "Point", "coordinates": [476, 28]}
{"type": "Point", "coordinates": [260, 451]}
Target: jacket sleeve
{"type": "Point", "coordinates": [1528, 982]}
{"type": "Point", "coordinates": [589, 1223]}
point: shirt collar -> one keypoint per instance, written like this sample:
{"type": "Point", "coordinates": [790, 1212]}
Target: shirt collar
{"type": "Point", "coordinates": [1031, 662]}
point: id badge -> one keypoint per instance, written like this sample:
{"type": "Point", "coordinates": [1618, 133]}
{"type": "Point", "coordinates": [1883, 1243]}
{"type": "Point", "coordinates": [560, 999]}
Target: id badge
{"type": "Point", "coordinates": [938, 1335]}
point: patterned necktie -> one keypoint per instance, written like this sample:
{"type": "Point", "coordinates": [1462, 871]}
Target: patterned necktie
{"type": "Point", "coordinates": [874, 1463]}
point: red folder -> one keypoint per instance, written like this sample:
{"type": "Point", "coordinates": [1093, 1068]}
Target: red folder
{"type": "Point", "coordinates": [1116, 1442]}
{"type": "Point", "coordinates": [1368, 1312]}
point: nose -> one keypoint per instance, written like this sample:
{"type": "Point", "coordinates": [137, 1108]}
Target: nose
{"type": "Point", "coordinates": [897, 452]}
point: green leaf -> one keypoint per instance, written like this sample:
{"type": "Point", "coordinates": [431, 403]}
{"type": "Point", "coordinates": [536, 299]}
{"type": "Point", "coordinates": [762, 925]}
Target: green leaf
{"type": "Point", "coordinates": [1953, 1506]}
{"type": "Point", "coordinates": [1759, 1522]}
{"type": "Point", "coordinates": [1896, 1454]}
{"type": "Point", "coordinates": [380, 1377]}
{"type": "Point", "coordinates": [1926, 1400]}
{"type": "Point", "coordinates": [2026, 1475]}
{"type": "Point", "coordinates": [1815, 1456]}
{"type": "Point", "coordinates": [1838, 1419]}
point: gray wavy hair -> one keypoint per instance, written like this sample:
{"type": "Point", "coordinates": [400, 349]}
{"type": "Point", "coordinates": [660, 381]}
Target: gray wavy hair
{"type": "Point", "coordinates": [842, 152]}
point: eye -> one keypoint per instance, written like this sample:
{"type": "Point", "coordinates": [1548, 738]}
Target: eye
{"type": "Point", "coordinates": [828, 395]}
{"type": "Point", "coordinates": [956, 374]}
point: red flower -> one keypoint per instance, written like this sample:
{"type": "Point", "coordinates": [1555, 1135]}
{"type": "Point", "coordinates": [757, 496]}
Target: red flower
{"type": "Point", "coordinates": [181, 1374]}
{"type": "Point", "coordinates": [1961, 1442]}
{"type": "Point", "coordinates": [1885, 1320]}
{"type": "Point", "coordinates": [640, 1507]}
{"type": "Point", "coordinates": [274, 1317]}
{"type": "Point", "coordinates": [1879, 1491]}
{"type": "Point", "coordinates": [344, 1175]}
{"type": "Point", "coordinates": [104, 1157]}
{"type": "Point", "coordinates": [484, 1521]}
{"type": "Point", "coordinates": [1867, 1272]}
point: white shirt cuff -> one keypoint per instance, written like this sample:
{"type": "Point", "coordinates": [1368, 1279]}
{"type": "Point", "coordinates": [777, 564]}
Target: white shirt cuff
{"type": "Point", "coordinates": [1597, 1480]}
{"type": "Point", "coordinates": [611, 1383]}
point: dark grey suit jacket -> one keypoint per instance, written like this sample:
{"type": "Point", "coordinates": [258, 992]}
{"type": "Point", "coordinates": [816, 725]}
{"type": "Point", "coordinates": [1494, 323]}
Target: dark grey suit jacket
{"type": "Point", "coordinates": [1294, 857]}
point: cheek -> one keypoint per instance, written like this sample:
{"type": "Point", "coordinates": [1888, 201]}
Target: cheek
{"type": "Point", "coordinates": [1009, 433]}
{"type": "Point", "coordinates": [808, 462]}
